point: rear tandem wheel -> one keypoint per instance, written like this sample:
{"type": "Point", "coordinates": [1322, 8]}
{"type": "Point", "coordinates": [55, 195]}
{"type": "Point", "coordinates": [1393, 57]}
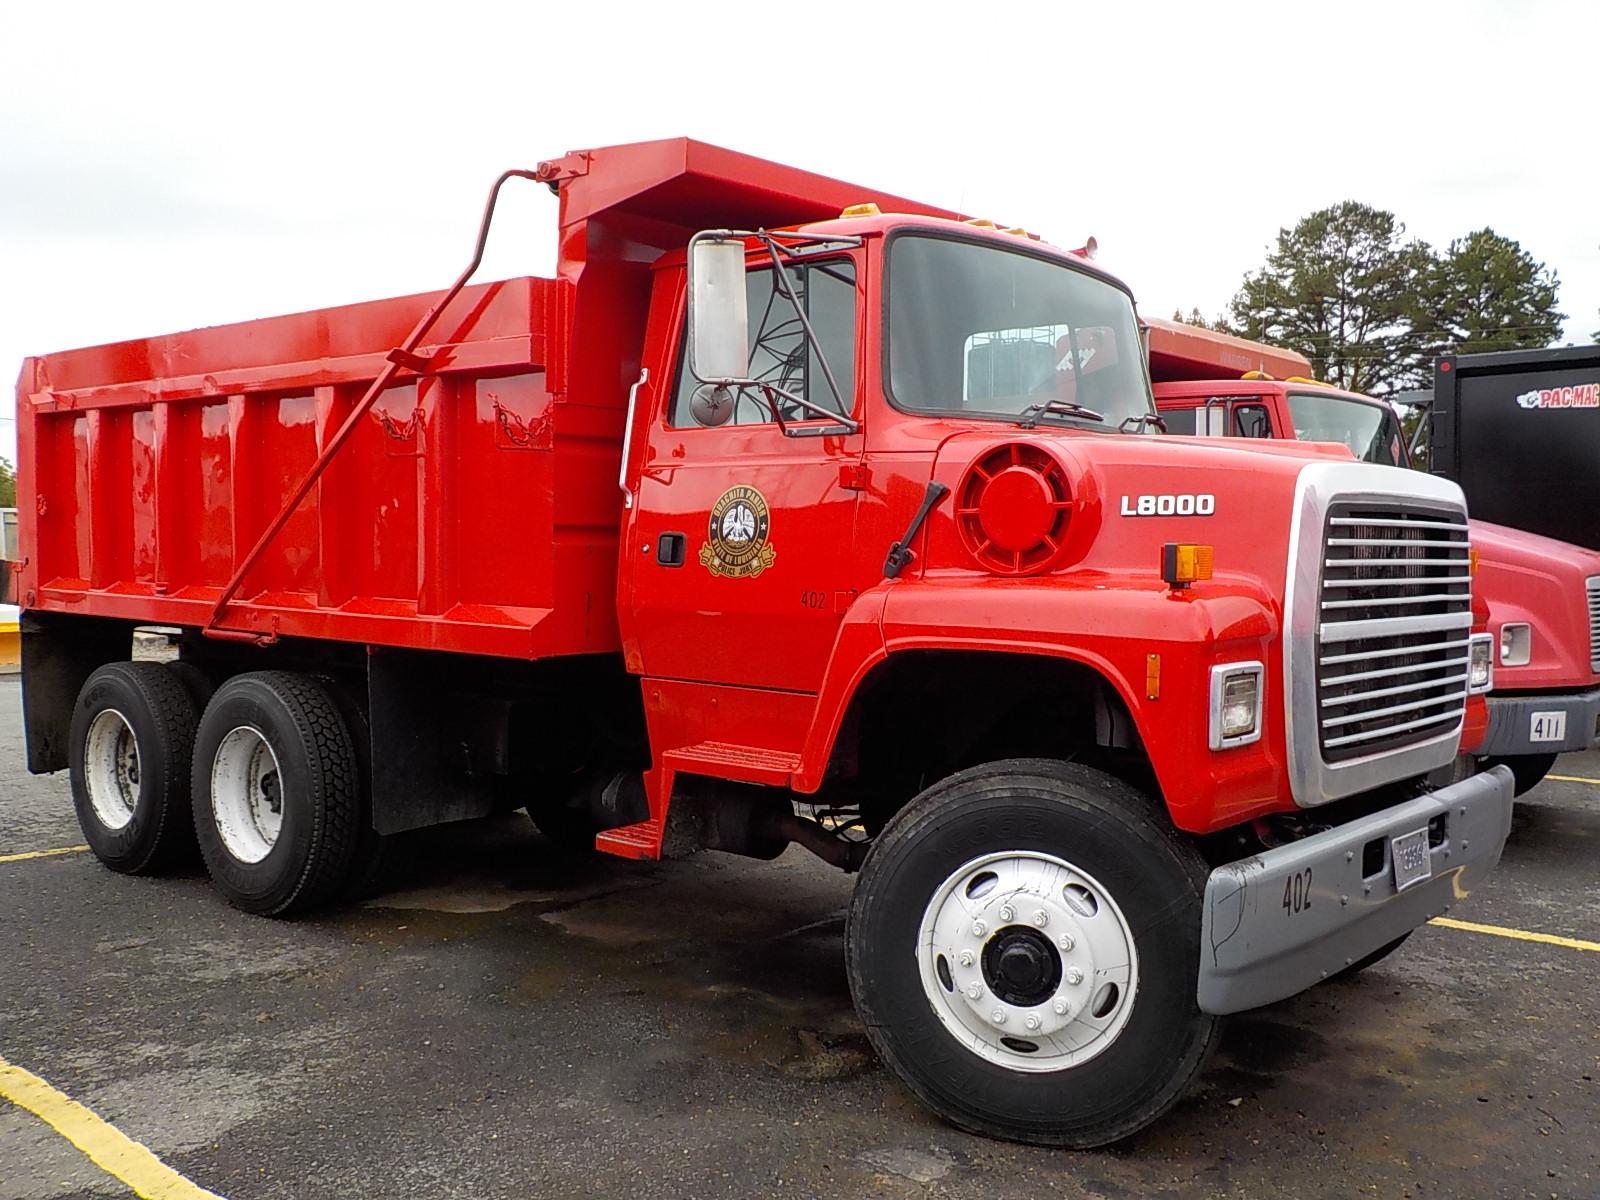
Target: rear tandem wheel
{"type": "Point", "coordinates": [128, 759]}
{"type": "Point", "coordinates": [277, 793]}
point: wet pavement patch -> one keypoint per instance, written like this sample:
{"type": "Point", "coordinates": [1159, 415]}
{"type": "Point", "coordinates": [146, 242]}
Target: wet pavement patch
{"type": "Point", "coordinates": [514, 1021]}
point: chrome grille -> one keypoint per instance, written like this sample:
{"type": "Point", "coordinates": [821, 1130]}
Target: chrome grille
{"type": "Point", "coordinates": [1394, 615]}
{"type": "Point", "coordinates": [1593, 588]}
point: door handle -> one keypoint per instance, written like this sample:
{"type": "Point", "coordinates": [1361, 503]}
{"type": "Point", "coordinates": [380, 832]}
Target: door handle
{"type": "Point", "coordinates": [671, 549]}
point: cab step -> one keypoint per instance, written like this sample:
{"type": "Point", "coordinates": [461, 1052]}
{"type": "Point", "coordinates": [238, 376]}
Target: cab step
{"type": "Point", "coordinates": [642, 840]}
{"type": "Point", "coordinates": [747, 764]}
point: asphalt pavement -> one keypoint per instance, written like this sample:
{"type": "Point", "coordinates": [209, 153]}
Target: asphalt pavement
{"type": "Point", "coordinates": [518, 1022]}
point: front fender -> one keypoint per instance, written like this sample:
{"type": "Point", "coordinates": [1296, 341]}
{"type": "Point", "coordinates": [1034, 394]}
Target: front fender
{"type": "Point", "coordinates": [1112, 627]}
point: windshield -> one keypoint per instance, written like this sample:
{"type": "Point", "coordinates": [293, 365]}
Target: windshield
{"type": "Point", "coordinates": [988, 332]}
{"type": "Point", "coordinates": [1370, 430]}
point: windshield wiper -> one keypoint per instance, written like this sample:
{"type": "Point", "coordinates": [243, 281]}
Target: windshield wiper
{"type": "Point", "coordinates": [1029, 417]}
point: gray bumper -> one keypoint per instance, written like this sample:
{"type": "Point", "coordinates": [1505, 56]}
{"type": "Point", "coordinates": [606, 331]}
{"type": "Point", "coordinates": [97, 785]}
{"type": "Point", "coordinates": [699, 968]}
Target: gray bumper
{"type": "Point", "coordinates": [1281, 921]}
{"type": "Point", "coordinates": [1511, 723]}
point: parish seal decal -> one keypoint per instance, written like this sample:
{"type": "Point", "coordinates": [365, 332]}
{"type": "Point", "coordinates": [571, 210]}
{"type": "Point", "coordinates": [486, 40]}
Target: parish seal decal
{"type": "Point", "coordinates": [736, 536]}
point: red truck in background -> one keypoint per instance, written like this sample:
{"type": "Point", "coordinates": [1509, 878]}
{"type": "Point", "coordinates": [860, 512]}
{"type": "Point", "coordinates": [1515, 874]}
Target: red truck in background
{"type": "Point", "coordinates": [1546, 698]}
{"type": "Point", "coordinates": [788, 511]}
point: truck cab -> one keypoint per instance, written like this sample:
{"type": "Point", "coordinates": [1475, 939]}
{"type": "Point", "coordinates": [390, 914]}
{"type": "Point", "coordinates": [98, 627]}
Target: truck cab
{"type": "Point", "coordinates": [1546, 699]}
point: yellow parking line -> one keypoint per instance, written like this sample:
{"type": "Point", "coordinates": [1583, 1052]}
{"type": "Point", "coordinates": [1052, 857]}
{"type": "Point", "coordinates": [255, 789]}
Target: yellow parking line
{"type": "Point", "coordinates": [27, 854]}
{"type": "Point", "coordinates": [1573, 779]}
{"type": "Point", "coordinates": [1521, 935]}
{"type": "Point", "coordinates": [113, 1151]}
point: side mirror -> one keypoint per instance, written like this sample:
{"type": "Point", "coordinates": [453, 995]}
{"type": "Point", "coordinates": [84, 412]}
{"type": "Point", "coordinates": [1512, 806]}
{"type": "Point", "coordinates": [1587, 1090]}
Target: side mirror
{"type": "Point", "coordinates": [719, 316]}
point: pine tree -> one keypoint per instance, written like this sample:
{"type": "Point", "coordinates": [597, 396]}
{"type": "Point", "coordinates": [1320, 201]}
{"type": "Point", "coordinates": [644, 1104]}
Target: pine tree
{"type": "Point", "coordinates": [1487, 293]}
{"type": "Point", "coordinates": [1341, 288]}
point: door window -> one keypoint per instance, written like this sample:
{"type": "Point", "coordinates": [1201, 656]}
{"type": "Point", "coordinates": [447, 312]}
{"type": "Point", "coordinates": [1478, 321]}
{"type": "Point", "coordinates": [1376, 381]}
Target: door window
{"type": "Point", "coordinates": [780, 353]}
{"type": "Point", "coordinates": [1179, 420]}
{"type": "Point", "coordinates": [1251, 421]}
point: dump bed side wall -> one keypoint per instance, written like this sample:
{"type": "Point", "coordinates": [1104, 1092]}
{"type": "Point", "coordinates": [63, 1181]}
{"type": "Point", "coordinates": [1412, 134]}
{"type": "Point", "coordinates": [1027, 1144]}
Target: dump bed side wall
{"type": "Point", "coordinates": [474, 508]}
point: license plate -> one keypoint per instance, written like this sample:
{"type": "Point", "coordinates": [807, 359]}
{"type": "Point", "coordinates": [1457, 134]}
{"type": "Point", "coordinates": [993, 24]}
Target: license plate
{"type": "Point", "coordinates": [1547, 727]}
{"type": "Point", "coordinates": [1412, 863]}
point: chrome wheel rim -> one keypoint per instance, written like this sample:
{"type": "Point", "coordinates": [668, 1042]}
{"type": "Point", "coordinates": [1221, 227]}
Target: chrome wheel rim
{"type": "Point", "coordinates": [1027, 961]}
{"type": "Point", "coordinates": [111, 768]}
{"type": "Point", "coordinates": [247, 794]}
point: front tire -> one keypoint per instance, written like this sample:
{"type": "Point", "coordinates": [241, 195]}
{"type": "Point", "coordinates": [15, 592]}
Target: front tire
{"type": "Point", "coordinates": [1372, 959]}
{"type": "Point", "coordinates": [277, 793]}
{"type": "Point", "coordinates": [1023, 945]}
{"type": "Point", "coordinates": [133, 731]}
{"type": "Point", "coordinates": [1528, 770]}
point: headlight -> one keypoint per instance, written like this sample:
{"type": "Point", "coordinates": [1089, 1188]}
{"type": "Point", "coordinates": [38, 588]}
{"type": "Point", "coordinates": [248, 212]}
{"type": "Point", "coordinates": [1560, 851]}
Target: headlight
{"type": "Point", "coordinates": [1236, 695]}
{"type": "Point", "coordinates": [1480, 663]}
{"type": "Point", "coordinates": [1516, 644]}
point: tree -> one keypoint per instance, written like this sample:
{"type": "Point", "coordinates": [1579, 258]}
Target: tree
{"type": "Point", "coordinates": [8, 484]}
{"type": "Point", "coordinates": [1341, 287]}
{"type": "Point", "coordinates": [1487, 293]}
{"type": "Point", "coordinates": [1218, 325]}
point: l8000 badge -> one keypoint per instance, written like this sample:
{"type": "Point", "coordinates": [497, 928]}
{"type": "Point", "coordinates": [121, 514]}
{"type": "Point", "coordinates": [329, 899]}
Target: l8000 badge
{"type": "Point", "coordinates": [1179, 504]}
{"type": "Point", "coordinates": [736, 543]}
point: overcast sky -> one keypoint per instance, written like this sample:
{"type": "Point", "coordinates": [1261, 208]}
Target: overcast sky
{"type": "Point", "coordinates": [164, 166]}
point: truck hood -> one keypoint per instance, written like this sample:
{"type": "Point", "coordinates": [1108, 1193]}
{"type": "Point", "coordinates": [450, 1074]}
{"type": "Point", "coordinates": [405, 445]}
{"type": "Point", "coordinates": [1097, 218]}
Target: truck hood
{"type": "Point", "coordinates": [1131, 495]}
{"type": "Point", "coordinates": [1537, 580]}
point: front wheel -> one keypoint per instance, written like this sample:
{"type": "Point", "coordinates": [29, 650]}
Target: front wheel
{"type": "Point", "coordinates": [1023, 946]}
{"type": "Point", "coordinates": [1528, 770]}
{"type": "Point", "coordinates": [1375, 957]}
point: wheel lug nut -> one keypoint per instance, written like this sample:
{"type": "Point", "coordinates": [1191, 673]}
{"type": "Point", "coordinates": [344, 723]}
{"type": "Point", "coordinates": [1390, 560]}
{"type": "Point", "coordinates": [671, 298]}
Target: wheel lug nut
{"type": "Point", "coordinates": [1074, 976]}
{"type": "Point", "coordinates": [1007, 913]}
{"type": "Point", "coordinates": [974, 990]}
{"type": "Point", "coordinates": [1061, 1007]}
{"type": "Point", "coordinates": [965, 958]}
{"type": "Point", "coordinates": [998, 1016]}
{"type": "Point", "coordinates": [1041, 918]}
{"type": "Point", "coordinates": [979, 929]}
{"type": "Point", "coordinates": [1065, 941]}
{"type": "Point", "coordinates": [1031, 1021]}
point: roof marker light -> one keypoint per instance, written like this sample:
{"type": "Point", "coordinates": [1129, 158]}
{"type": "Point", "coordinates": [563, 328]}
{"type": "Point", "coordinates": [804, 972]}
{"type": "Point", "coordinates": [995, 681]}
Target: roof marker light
{"type": "Point", "coordinates": [868, 209]}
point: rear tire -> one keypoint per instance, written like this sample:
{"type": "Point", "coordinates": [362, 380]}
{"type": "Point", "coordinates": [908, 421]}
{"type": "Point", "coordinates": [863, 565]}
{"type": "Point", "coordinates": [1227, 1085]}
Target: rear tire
{"type": "Point", "coordinates": [1098, 861]}
{"type": "Point", "coordinates": [277, 793]}
{"type": "Point", "coordinates": [132, 736]}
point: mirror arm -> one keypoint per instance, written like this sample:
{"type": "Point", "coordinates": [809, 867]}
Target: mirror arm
{"type": "Point", "coordinates": [779, 274]}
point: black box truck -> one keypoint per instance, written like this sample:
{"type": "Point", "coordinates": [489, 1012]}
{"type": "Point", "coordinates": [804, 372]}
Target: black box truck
{"type": "Point", "coordinates": [1519, 430]}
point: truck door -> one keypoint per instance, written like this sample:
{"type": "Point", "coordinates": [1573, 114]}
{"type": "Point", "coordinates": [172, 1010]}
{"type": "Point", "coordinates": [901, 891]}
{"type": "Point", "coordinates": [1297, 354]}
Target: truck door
{"type": "Point", "coordinates": [742, 553]}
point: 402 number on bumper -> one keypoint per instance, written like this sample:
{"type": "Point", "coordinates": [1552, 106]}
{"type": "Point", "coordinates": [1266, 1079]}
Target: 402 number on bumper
{"type": "Point", "coordinates": [1283, 920]}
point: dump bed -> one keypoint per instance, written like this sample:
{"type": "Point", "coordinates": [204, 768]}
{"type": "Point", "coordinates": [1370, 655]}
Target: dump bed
{"type": "Point", "coordinates": [152, 466]}
{"type": "Point", "coordinates": [1186, 352]}
{"type": "Point", "coordinates": [475, 507]}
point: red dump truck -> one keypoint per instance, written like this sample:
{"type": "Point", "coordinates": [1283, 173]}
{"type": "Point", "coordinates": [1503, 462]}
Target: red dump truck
{"type": "Point", "coordinates": [1541, 593]}
{"type": "Point", "coordinates": [788, 511]}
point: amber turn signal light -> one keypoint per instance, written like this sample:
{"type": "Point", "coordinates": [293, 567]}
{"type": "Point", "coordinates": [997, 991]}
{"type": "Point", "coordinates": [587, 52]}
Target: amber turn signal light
{"type": "Point", "coordinates": [1183, 563]}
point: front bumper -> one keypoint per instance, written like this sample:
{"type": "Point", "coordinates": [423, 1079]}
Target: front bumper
{"type": "Point", "coordinates": [1515, 720]}
{"type": "Point", "coordinates": [1287, 918]}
